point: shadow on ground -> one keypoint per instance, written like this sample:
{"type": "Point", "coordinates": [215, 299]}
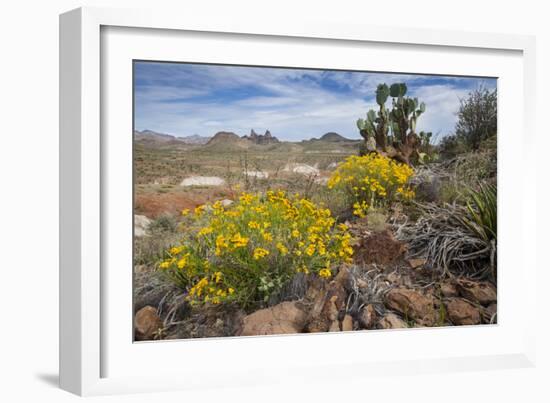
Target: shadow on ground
{"type": "Point", "coordinates": [49, 379]}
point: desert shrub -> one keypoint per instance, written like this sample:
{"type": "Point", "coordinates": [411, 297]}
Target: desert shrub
{"type": "Point", "coordinates": [161, 233]}
{"type": "Point", "coordinates": [489, 144]}
{"type": "Point", "coordinates": [372, 180]}
{"type": "Point", "coordinates": [248, 251]}
{"type": "Point", "coordinates": [450, 146]}
{"type": "Point", "coordinates": [465, 172]}
{"type": "Point", "coordinates": [474, 167]}
{"type": "Point", "coordinates": [477, 117]}
{"type": "Point", "coordinates": [427, 151]}
{"type": "Point", "coordinates": [336, 202]}
{"type": "Point", "coordinates": [163, 223]}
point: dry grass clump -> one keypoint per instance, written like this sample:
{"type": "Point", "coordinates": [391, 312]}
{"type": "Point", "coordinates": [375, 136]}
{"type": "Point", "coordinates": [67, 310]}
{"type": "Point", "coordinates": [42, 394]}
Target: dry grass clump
{"type": "Point", "coordinates": [366, 285]}
{"type": "Point", "coordinates": [452, 241]}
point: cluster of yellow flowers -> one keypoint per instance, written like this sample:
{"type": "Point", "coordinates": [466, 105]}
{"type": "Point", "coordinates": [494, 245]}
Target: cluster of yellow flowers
{"type": "Point", "coordinates": [372, 180]}
{"type": "Point", "coordinates": [245, 252]}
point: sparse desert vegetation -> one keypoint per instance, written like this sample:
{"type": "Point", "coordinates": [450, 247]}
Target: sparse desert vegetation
{"type": "Point", "coordinates": [252, 235]}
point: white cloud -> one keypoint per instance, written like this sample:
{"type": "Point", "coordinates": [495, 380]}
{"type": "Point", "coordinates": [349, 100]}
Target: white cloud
{"type": "Point", "coordinates": [292, 104]}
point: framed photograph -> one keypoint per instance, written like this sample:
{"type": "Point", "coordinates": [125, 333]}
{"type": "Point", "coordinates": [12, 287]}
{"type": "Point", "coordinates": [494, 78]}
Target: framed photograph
{"type": "Point", "coordinates": [245, 194]}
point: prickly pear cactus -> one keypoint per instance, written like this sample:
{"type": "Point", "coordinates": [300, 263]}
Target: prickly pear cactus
{"type": "Point", "coordinates": [393, 130]}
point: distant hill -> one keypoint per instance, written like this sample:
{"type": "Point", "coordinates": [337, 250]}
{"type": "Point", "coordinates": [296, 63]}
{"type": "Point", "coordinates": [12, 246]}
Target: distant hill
{"type": "Point", "coordinates": [333, 137]}
{"type": "Point", "coordinates": [223, 137]}
{"type": "Point", "coordinates": [152, 137]}
{"type": "Point", "coordinates": [194, 139]}
{"type": "Point", "coordinates": [232, 140]}
{"type": "Point", "coordinates": [149, 136]}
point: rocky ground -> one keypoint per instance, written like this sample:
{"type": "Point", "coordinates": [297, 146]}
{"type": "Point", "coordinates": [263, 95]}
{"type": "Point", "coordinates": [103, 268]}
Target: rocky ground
{"type": "Point", "coordinates": [383, 289]}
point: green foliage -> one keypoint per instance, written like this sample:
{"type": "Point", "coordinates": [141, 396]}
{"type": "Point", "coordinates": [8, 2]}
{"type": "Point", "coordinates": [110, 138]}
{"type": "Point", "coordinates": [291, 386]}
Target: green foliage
{"type": "Point", "coordinates": [371, 180]}
{"type": "Point", "coordinates": [426, 151]}
{"type": "Point", "coordinates": [482, 208]}
{"type": "Point", "coordinates": [477, 117]}
{"type": "Point", "coordinates": [246, 253]}
{"type": "Point", "coordinates": [382, 93]}
{"type": "Point", "coordinates": [405, 113]}
{"type": "Point", "coordinates": [398, 90]}
{"type": "Point", "coordinates": [450, 146]}
{"type": "Point", "coordinates": [394, 130]}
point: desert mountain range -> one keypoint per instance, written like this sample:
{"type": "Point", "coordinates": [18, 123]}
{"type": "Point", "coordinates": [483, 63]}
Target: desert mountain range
{"type": "Point", "coordinates": [152, 137]}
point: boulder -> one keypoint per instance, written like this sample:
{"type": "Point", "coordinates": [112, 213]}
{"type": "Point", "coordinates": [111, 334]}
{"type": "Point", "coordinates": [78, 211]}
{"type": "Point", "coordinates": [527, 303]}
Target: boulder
{"type": "Point", "coordinates": [347, 323]}
{"type": "Point", "coordinates": [448, 290]}
{"type": "Point", "coordinates": [327, 301]}
{"type": "Point", "coordinates": [284, 318]}
{"type": "Point", "coordinates": [334, 326]}
{"type": "Point", "coordinates": [461, 312]}
{"type": "Point", "coordinates": [202, 181]}
{"type": "Point", "coordinates": [367, 317]}
{"type": "Point", "coordinates": [147, 323]}
{"type": "Point", "coordinates": [412, 304]}
{"type": "Point", "coordinates": [391, 321]}
{"type": "Point", "coordinates": [302, 169]}
{"type": "Point", "coordinates": [482, 292]}
{"type": "Point", "coordinates": [141, 223]}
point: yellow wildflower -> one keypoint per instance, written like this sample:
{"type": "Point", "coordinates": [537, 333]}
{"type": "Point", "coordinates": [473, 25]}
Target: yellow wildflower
{"type": "Point", "coordinates": [253, 225]}
{"type": "Point", "coordinates": [260, 253]}
{"type": "Point", "coordinates": [282, 249]}
{"type": "Point", "coordinates": [325, 273]}
{"type": "Point", "coordinates": [310, 250]}
{"type": "Point", "coordinates": [199, 210]}
{"type": "Point", "coordinates": [205, 231]}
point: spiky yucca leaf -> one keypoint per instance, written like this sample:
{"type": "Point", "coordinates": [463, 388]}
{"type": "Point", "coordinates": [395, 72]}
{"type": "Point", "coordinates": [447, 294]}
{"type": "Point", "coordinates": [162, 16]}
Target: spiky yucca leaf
{"type": "Point", "coordinates": [482, 208]}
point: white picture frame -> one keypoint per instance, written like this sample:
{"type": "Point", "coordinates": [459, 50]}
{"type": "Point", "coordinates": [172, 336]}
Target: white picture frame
{"type": "Point", "coordinates": [87, 313]}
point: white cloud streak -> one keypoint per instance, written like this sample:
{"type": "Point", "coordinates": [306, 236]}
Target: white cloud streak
{"type": "Point", "coordinates": [292, 104]}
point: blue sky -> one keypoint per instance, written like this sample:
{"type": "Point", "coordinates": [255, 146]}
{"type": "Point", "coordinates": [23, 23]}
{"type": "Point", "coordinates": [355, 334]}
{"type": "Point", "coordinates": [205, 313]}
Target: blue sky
{"type": "Point", "coordinates": [294, 104]}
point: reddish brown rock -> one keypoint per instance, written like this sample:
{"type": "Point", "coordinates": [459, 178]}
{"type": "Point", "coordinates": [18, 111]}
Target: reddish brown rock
{"type": "Point", "coordinates": [329, 300]}
{"type": "Point", "coordinates": [343, 277]}
{"type": "Point", "coordinates": [413, 305]}
{"type": "Point", "coordinates": [334, 326]}
{"type": "Point", "coordinates": [461, 312]}
{"type": "Point", "coordinates": [283, 318]}
{"type": "Point", "coordinates": [481, 292]}
{"type": "Point", "coordinates": [448, 290]}
{"type": "Point", "coordinates": [347, 323]}
{"type": "Point", "coordinates": [391, 321]}
{"type": "Point", "coordinates": [147, 323]}
{"type": "Point", "coordinates": [367, 318]}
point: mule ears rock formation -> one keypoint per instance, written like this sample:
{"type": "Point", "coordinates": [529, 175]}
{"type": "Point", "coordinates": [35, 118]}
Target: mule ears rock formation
{"type": "Point", "coordinates": [266, 138]}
